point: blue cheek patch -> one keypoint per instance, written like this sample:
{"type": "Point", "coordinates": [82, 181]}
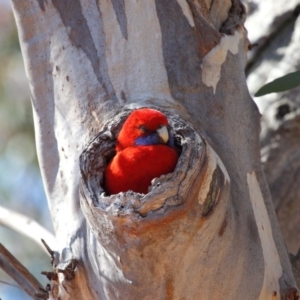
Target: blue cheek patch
{"type": "Point", "coordinates": [153, 139]}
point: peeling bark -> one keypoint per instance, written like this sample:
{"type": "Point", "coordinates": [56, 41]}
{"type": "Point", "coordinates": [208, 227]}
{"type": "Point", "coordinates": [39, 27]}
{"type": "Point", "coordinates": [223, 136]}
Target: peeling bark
{"type": "Point", "coordinates": [89, 64]}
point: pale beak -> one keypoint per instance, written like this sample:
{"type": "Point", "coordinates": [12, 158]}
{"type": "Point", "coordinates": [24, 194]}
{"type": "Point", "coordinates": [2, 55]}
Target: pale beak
{"type": "Point", "coordinates": [163, 134]}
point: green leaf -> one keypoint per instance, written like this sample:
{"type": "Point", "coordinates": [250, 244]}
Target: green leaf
{"type": "Point", "coordinates": [281, 84]}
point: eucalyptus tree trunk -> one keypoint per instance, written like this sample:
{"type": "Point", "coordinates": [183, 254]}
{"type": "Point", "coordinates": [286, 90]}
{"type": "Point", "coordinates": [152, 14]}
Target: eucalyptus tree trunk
{"type": "Point", "coordinates": [277, 54]}
{"type": "Point", "coordinates": [206, 231]}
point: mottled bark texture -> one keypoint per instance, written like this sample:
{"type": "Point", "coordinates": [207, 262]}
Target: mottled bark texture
{"type": "Point", "coordinates": [207, 231]}
{"type": "Point", "coordinates": [275, 27]}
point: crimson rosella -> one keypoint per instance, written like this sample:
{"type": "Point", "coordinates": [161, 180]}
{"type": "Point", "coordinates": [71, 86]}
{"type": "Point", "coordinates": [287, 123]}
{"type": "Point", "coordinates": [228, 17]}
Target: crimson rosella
{"type": "Point", "coordinates": [144, 151]}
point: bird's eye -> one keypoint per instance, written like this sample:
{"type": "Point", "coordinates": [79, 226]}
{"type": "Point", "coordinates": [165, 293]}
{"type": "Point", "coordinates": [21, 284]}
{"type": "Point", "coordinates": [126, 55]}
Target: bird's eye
{"type": "Point", "coordinates": [143, 129]}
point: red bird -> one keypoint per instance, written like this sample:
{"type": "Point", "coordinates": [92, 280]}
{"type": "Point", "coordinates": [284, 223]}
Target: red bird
{"type": "Point", "coordinates": [144, 151]}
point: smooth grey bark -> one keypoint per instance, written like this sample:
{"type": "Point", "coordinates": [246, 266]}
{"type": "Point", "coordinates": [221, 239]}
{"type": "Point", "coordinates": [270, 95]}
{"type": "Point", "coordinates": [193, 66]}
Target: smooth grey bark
{"type": "Point", "coordinates": [89, 63]}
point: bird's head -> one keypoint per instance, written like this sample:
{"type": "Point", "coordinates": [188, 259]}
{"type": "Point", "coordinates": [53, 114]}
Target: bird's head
{"type": "Point", "coordinates": [144, 126]}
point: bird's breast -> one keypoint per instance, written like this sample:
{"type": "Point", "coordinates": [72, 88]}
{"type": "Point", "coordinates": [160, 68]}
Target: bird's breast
{"type": "Point", "coordinates": [134, 167]}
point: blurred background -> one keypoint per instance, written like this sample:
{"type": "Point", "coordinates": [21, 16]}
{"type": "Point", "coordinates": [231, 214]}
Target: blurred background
{"type": "Point", "coordinates": [21, 187]}
{"type": "Point", "coordinates": [273, 25]}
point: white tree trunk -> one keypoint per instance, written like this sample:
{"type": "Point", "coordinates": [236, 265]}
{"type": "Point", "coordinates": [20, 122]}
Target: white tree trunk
{"type": "Point", "coordinates": [207, 231]}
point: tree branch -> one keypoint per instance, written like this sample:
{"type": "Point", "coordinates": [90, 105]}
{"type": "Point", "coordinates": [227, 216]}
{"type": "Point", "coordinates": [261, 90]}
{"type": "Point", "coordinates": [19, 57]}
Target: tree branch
{"type": "Point", "coordinates": [10, 265]}
{"type": "Point", "coordinates": [27, 227]}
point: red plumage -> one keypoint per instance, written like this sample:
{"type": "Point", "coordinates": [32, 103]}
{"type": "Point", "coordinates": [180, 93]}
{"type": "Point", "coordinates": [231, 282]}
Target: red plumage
{"type": "Point", "coordinates": [134, 166]}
